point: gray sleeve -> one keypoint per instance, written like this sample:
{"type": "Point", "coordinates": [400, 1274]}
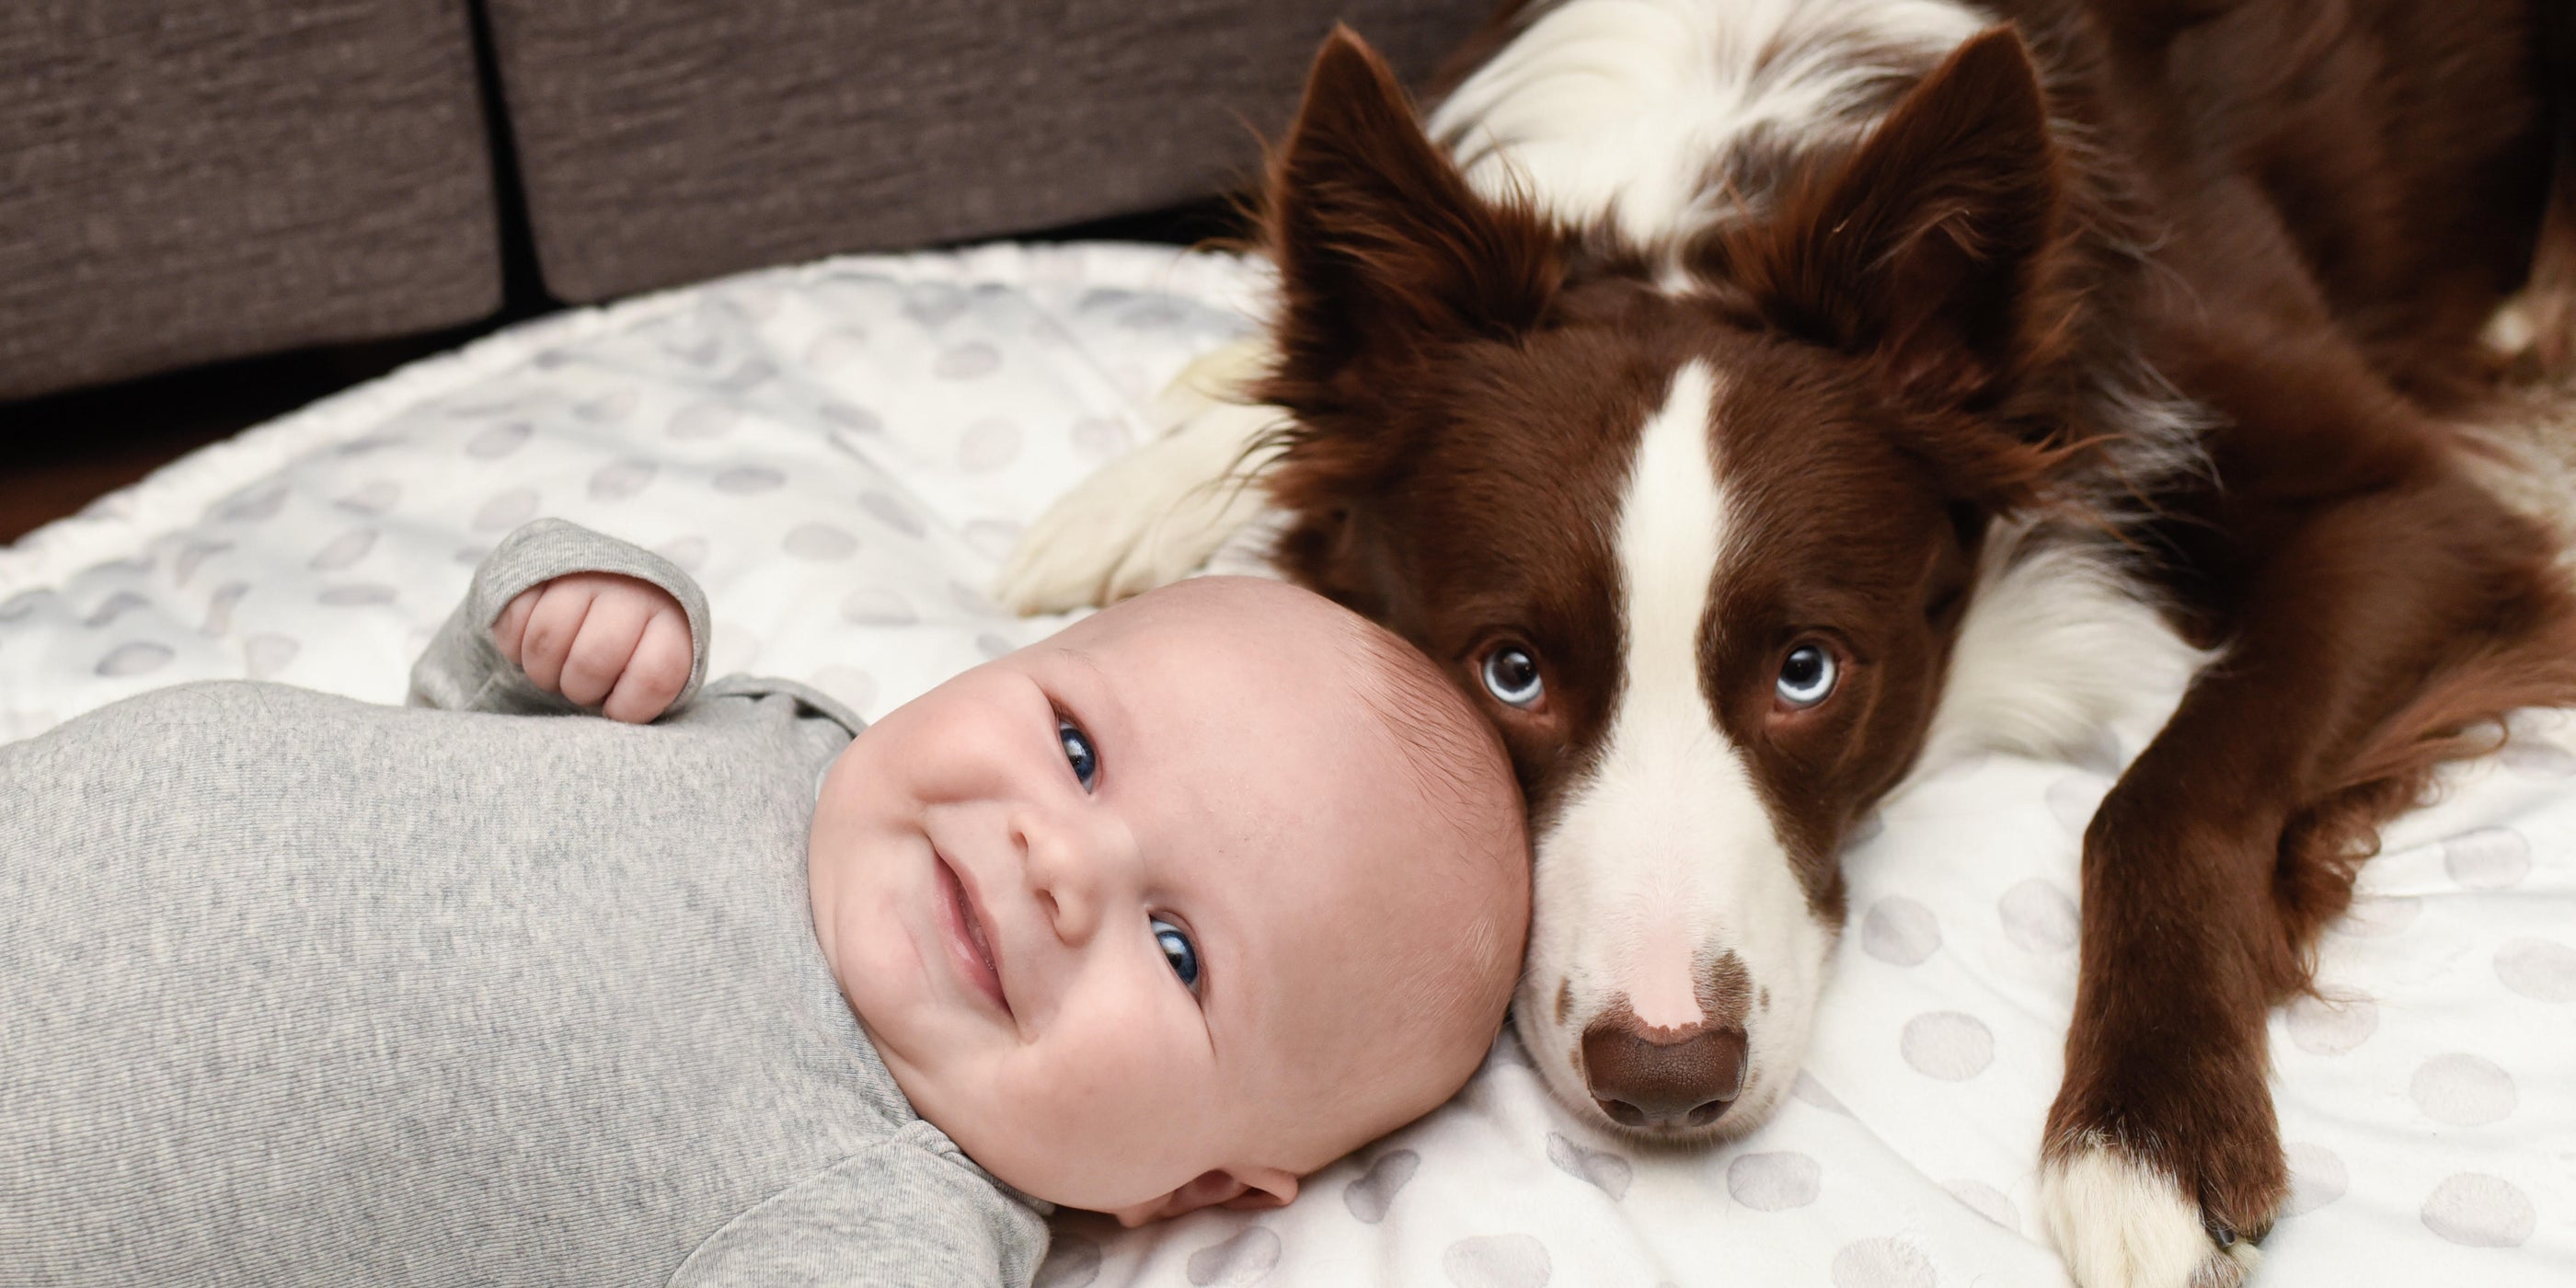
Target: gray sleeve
{"type": "Point", "coordinates": [896, 1216]}
{"type": "Point", "coordinates": [463, 670]}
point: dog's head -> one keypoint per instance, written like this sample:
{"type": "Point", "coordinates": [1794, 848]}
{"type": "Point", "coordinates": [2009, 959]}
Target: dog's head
{"type": "Point", "coordinates": [1701, 553]}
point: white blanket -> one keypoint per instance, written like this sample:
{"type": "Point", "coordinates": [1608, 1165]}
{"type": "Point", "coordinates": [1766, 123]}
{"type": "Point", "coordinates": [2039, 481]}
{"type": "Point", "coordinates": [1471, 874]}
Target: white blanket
{"type": "Point", "coordinates": [842, 452]}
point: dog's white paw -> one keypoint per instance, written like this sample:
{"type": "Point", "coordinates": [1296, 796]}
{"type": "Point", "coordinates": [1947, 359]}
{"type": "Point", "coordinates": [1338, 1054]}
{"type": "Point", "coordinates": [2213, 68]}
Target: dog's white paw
{"type": "Point", "coordinates": [2121, 1224]}
{"type": "Point", "coordinates": [1154, 515]}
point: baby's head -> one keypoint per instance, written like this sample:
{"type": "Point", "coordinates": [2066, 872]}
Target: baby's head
{"type": "Point", "coordinates": [1181, 903]}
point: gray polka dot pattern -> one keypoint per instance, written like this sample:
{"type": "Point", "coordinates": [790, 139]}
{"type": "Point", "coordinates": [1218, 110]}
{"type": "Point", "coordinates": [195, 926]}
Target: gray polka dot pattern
{"type": "Point", "coordinates": [2317, 1178]}
{"type": "Point", "coordinates": [189, 559]}
{"type": "Point", "coordinates": [499, 441]}
{"type": "Point", "coordinates": [1370, 1197]}
{"type": "Point", "coordinates": [257, 505]}
{"type": "Point", "coordinates": [2331, 1027]}
{"type": "Point", "coordinates": [219, 607]}
{"type": "Point", "coordinates": [820, 542]}
{"type": "Point", "coordinates": [1900, 931]}
{"type": "Point", "coordinates": [933, 304]}
{"type": "Point", "coordinates": [856, 419]}
{"type": "Point", "coordinates": [2538, 969]}
{"type": "Point", "coordinates": [372, 499]}
{"type": "Point", "coordinates": [358, 596]}
{"type": "Point", "coordinates": [2038, 917]}
{"type": "Point", "coordinates": [506, 510]}
{"type": "Point", "coordinates": [609, 408]}
{"type": "Point", "coordinates": [878, 606]}
{"type": "Point", "coordinates": [989, 445]}
{"type": "Point", "coordinates": [1948, 1045]}
{"type": "Point", "coordinates": [1246, 1258]}
{"type": "Point", "coordinates": [750, 480]}
{"type": "Point", "coordinates": [1497, 1261]}
{"type": "Point", "coordinates": [113, 607]}
{"type": "Point", "coordinates": [1810, 1091]}
{"type": "Point", "coordinates": [2074, 798]}
{"type": "Point", "coordinates": [621, 479]}
{"type": "Point", "coordinates": [702, 420]}
{"type": "Point", "coordinates": [2539, 759]}
{"type": "Point", "coordinates": [2489, 859]}
{"type": "Point", "coordinates": [2463, 1090]}
{"type": "Point", "coordinates": [2476, 1210]}
{"type": "Point", "coordinates": [1601, 1169]}
{"type": "Point", "coordinates": [1071, 1262]}
{"type": "Point", "coordinates": [1986, 1201]}
{"type": "Point", "coordinates": [137, 658]}
{"type": "Point", "coordinates": [688, 552]}
{"type": "Point", "coordinates": [968, 362]}
{"type": "Point", "coordinates": [1774, 1181]}
{"type": "Point", "coordinates": [891, 512]}
{"type": "Point", "coordinates": [265, 655]}
{"type": "Point", "coordinates": [348, 548]}
{"type": "Point", "coordinates": [1882, 1263]}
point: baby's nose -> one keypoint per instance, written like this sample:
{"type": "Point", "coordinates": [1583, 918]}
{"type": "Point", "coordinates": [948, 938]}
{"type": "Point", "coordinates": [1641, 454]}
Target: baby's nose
{"type": "Point", "coordinates": [1656, 1078]}
{"type": "Point", "coordinates": [1073, 872]}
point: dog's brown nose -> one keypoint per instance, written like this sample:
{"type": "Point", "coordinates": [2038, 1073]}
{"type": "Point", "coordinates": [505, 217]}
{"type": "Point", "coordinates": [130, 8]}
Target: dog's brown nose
{"type": "Point", "coordinates": [1649, 1077]}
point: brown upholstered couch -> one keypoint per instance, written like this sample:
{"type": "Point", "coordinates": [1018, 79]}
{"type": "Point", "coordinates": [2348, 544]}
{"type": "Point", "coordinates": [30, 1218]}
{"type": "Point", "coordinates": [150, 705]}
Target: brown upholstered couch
{"type": "Point", "coordinates": [183, 181]}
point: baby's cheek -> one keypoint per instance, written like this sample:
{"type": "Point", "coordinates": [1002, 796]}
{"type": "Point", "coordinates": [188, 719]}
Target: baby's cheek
{"type": "Point", "coordinates": [1124, 1067]}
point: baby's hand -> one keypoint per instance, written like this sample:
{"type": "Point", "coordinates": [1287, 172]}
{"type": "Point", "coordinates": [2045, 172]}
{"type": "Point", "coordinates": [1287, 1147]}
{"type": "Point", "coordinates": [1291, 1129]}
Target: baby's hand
{"type": "Point", "coordinates": [600, 639]}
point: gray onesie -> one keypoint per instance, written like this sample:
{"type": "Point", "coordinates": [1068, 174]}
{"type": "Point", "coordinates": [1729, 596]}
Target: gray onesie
{"type": "Point", "coordinates": [301, 990]}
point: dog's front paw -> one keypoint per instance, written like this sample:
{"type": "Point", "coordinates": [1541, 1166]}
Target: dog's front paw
{"type": "Point", "coordinates": [2121, 1222]}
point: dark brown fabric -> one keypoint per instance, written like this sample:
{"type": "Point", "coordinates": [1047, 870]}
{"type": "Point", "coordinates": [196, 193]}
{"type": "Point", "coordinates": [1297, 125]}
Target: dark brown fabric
{"type": "Point", "coordinates": [664, 141]}
{"type": "Point", "coordinates": [188, 180]}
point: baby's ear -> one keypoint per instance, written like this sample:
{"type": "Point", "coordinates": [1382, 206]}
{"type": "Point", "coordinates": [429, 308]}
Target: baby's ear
{"type": "Point", "coordinates": [1253, 1189]}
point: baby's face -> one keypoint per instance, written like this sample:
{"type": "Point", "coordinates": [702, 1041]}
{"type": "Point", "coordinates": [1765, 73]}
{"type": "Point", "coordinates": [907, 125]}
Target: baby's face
{"type": "Point", "coordinates": [1115, 908]}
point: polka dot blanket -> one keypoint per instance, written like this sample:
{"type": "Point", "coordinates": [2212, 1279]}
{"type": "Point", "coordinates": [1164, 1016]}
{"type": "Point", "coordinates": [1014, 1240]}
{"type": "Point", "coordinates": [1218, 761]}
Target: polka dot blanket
{"type": "Point", "coordinates": [842, 452]}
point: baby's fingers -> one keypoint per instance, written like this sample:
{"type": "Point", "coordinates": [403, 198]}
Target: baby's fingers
{"type": "Point", "coordinates": [656, 673]}
{"type": "Point", "coordinates": [604, 645]}
{"type": "Point", "coordinates": [510, 629]}
{"type": "Point", "coordinates": [554, 619]}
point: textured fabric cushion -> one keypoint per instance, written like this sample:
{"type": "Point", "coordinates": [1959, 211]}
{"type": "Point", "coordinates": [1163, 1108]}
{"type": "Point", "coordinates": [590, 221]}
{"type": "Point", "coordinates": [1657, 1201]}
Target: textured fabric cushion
{"type": "Point", "coordinates": [665, 141]}
{"type": "Point", "coordinates": [188, 180]}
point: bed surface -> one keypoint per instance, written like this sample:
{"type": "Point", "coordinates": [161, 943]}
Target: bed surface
{"type": "Point", "coordinates": [843, 452]}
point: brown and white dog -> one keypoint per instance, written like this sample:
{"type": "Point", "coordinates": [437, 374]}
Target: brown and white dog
{"type": "Point", "coordinates": [1759, 400]}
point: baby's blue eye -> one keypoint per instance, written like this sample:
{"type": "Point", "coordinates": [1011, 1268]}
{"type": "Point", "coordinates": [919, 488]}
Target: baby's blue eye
{"type": "Point", "coordinates": [1078, 752]}
{"type": "Point", "coordinates": [1178, 950]}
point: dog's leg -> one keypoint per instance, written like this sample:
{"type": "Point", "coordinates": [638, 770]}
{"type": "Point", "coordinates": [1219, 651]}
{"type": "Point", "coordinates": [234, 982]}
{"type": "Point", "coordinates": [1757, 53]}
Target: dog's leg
{"type": "Point", "coordinates": [1157, 513]}
{"type": "Point", "coordinates": [2379, 618]}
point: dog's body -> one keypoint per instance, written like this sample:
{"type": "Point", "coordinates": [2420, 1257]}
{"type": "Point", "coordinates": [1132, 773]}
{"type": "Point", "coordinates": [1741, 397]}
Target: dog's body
{"type": "Point", "coordinates": [1758, 400]}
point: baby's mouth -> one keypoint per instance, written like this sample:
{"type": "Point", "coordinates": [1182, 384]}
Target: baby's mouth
{"type": "Point", "coordinates": [966, 926]}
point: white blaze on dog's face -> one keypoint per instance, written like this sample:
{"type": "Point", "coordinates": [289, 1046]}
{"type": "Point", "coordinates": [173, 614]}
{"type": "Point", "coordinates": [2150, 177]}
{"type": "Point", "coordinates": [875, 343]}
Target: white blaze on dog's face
{"type": "Point", "coordinates": [1674, 922]}
{"type": "Point", "coordinates": [1703, 554]}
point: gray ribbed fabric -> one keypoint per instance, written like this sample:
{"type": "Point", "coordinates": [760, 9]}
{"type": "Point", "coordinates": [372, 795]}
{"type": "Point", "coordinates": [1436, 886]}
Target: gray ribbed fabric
{"type": "Point", "coordinates": [301, 990]}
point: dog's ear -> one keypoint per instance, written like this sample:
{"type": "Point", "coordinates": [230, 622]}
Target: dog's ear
{"type": "Point", "coordinates": [1384, 252]}
{"type": "Point", "coordinates": [1925, 247]}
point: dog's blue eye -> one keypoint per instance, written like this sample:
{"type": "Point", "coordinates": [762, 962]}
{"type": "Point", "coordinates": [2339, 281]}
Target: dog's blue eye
{"type": "Point", "coordinates": [1178, 950]}
{"type": "Point", "coordinates": [1079, 753]}
{"type": "Point", "coordinates": [1511, 675]}
{"type": "Point", "coordinates": [1807, 676]}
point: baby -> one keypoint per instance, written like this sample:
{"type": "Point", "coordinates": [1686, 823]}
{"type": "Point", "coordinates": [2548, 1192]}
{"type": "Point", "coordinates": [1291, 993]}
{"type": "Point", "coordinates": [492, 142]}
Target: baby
{"type": "Point", "coordinates": [1166, 911]}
